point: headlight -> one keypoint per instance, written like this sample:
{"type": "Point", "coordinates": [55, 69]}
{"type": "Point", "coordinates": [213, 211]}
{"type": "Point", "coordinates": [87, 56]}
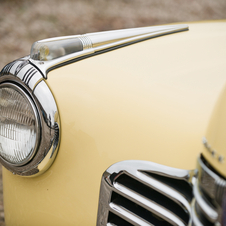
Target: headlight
{"type": "Point", "coordinates": [19, 125]}
{"type": "Point", "coordinates": [29, 120]}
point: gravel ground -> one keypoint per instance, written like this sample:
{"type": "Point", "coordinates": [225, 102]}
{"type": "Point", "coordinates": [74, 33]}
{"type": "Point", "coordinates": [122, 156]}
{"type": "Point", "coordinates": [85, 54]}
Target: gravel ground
{"type": "Point", "coordinates": [23, 22]}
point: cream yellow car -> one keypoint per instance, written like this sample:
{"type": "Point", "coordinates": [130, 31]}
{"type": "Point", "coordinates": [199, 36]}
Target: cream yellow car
{"type": "Point", "coordinates": [124, 127]}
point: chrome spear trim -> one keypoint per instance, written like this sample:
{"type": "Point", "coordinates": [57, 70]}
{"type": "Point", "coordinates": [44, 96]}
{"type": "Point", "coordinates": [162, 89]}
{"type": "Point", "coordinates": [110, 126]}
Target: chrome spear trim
{"type": "Point", "coordinates": [51, 53]}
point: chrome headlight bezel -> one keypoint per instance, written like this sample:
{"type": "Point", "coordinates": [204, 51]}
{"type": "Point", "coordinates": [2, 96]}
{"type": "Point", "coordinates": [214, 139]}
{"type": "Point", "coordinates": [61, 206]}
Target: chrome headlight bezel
{"type": "Point", "coordinates": [29, 80]}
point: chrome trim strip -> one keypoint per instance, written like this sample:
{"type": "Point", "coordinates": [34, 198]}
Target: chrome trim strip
{"type": "Point", "coordinates": [21, 69]}
{"type": "Point", "coordinates": [194, 216]}
{"type": "Point", "coordinates": [209, 212]}
{"type": "Point", "coordinates": [29, 78]}
{"type": "Point", "coordinates": [101, 41]}
{"type": "Point", "coordinates": [128, 216]}
{"type": "Point", "coordinates": [141, 166]}
{"type": "Point", "coordinates": [148, 204]}
{"type": "Point", "coordinates": [166, 190]}
{"type": "Point", "coordinates": [86, 42]}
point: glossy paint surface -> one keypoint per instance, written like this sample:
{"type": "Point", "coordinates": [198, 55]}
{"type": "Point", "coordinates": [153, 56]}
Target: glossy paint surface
{"type": "Point", "coordinates": [149, 101]}
{"type": "Point", "coordinates": [215, 153]}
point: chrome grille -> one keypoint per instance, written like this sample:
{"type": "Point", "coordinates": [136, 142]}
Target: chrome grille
{"type": "Point", "coordinates": [145, 193]}
{"type": "Point", "coordinates": [208, 206]}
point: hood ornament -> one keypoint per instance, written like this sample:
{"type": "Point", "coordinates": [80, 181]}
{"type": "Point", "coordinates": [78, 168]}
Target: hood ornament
{"type": "Point", "coordinates": [50, 53]}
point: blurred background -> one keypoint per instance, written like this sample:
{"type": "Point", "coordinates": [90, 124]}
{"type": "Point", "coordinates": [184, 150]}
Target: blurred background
{"type": "Point", "coordinates": [23, 22]}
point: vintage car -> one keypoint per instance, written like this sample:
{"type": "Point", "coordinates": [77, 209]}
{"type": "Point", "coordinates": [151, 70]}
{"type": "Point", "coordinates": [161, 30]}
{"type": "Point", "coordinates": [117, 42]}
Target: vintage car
{"type": "Point", "coordinates": [125, 127]}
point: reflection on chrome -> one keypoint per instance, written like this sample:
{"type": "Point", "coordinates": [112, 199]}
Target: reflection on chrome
{"type": "Point", "coordinates": [50, 53]}
{"type": "Point", "coordinates": [146, 193]}
{"type": "Point", "coordinates": [28, 80]}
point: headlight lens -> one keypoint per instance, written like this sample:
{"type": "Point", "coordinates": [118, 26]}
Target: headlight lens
{"type": "Point", "coordinates": [19, 125]}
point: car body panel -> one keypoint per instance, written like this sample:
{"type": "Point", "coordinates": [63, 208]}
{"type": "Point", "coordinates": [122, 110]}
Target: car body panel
{"type": "Point", "coordinates": [214, 149]}
{"type": "Point", "coordinates": [148, 101]}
